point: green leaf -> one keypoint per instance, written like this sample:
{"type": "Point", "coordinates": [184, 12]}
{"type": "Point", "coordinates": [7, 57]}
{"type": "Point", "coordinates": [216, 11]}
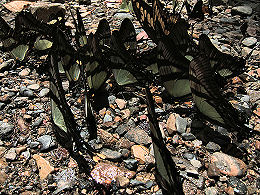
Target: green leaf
{"type": "Point", "coordinates": [19, 52]}
{"type": "Point", "coordinates": [42, 44]}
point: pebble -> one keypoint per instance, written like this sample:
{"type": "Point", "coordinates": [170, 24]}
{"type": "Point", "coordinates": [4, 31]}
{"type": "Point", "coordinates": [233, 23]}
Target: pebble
{"type": "Point", "coordinates": [43, 165]}
{"type": "Point", "coordinates": [26, 92]}
{"type": "Point", "coordinates": [249, 41]}
{"type": "Point", "coordinates": [138, 136]}
{"type": "Point", "coordinates": [24, 72]}
{"type": "Point", "coordinates": [170, 125]}
{"type": "Point", "coordinates": [47, 142]}
{"type": "Point", "coordinates": [238, 186]}
{"type": "Point", "coordinates": [122, 16]}
{"type": "Point", "coordinates": [142, 154]}
{"type": "Point", "coordinates": [121, 103]}
{"type": "Point", "coordinates": [213, 147]}
{"type": "Point", "coordinates": [33, 145]}
{"type": "Point", "coordinates": [11, 155]}
{"type": "Point", "coordinates": [242, 10]}
{"type": "Point", "coordinates": [192, 172]}
{"type": "Point", "coordinates": [196, 163]}
{"type": "Point", "coordinates": [111, 99]}
{"type": "Point", "coordinates": [107, 137]}
{"type": "Point", "coordinates": [189, 156]}
{"type": "Point", "coordinates": [111, 154]}
{"type": "Point", "coordinates": [188, 136]}
{"type": "Point", "coordinates": [65, 180]}
{"type": "Point", "coordinates": [5, 129]}
{"type": "Point", "coordinates": [225, 164]}
{"type": "Point", "coordinates": [122, 129]}
{"type": "Point", "coordinates": [131, 164]}
{"type": "Point", "coordinates": [2, 105]}
{"type": "Point", "coordinates": [105, 173]}
{"type": "Point", "coordinates": [122, 181]}
{"type": "Point", "coordinates": [211, 191]}
{"type": "Point", "coordinates": [37, 122]}
{"type": "Point", "coordinates": [3, 177]}
{"type": "Point", "coordinates": [134, 101]}
{"type": "Point", "coordinates": [181, 124]}
{"type": "Point", "coordinates": [245, 51]}
{"type": "Point", "coordinates": [5, 65]}
{"type": "Point", "coordinates": [107, 118]}
{"type": "Point", "coordinates": [34, 86]}
{"type": "Point", "coordinates": [135, 182]}
{"type": "Point", "coordinates": [44, 92]}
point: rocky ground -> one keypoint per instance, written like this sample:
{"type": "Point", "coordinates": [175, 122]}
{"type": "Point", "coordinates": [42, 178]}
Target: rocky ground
{"type": "Point", "coordinates": [33, 162]}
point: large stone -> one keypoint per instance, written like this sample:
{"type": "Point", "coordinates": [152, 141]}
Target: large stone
{"type": "Point", "coordinates": [170, 125]}
{"type": "Point", "coordinates": [138, 136]}
{"type": "Point", "coordinates": [105, 173]}
{"type": "Point", "coordinates": [43, 165]}
{"type": "Point", "coordinates": [249, 41]}
{"type": "Point", "coordinates": [142, 154]}
{"type": "Point", "coordinates": [43, 11]}
{"type": "Point", "coordinates": [5, 129]}
{"type": "Point", "coordinates": [111, 154]}
{"type": "Point", "coordinates": [242, 10]}
{"type": "Point", "coordinates": [221, 163]}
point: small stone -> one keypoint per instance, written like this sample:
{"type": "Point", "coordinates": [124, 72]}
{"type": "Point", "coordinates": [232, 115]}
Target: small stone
{"type": "Point", "coordinates": [33, 145]}
{"type": "Point", "coordinates": [122, 16]}
{"type": "Point", "coordinates": [134, 101]}
{"type": "Point", "coordinates": [188, 136]}
{"type": "Point", "coordinates": [26, 154]}
{"type": "Point", "coordinates": [11, 154]}
{"type": "Point", "coordinates": [189, 156]}
{"type": "Point", "coordinates": [242, 10]}
{"type": "Point", "coordinates": [3, 177]}
{"type": "Point", "coordinates": [111, 154]}
{"type": "Point", "coordinates": [213, 147]}
{"type": "Point", "coordinates": [121, 103]}
{"type": "Point", "coordinates": [37, 122]}
{"type": "Point", "coordinates": [20, 149]}
{"type": "Point", "coordinates": [257, 145]}
{"type": "Point", "coordinates": [170, 125]}
{"type": "Point", "coordinates": [33, 86]}
{"type": "Point", "coordinates": [44, 92]}
{"type": "Point", "coordinates": [196, 163]}
{"type": "Point", "coordinates": [26, 92]}
{"type": "Point", "coordinates": [107, 118]}
{"type": "Point", "coordinates": [43, 165]}
{"type": "Point", "coordinates": [2, 105]}
{"type": "Point", "coordinates": [131, 164]}
{"type": "Point", "coordinates": [122, 129]}
{"type": "Point", "coordinates": [124, 143]}
{"type": "Point", "coordinates": [105, 173]}
{"type": "Point", "coordinates": [122, 181]}
{"type": "Point", "coordinates": [6, 65]}
{"type": "Point", "coordinates": [126, 113]}
{"type": "Point", "coordinates": [225, 164]}
{"type": "Point", "coordinates": [142, 154]}
{"type": "Point", "coordinates": [111, 99]}
{"type": "Point", "coordinates": [245, 51]}
{"type": "Point", "coordinates": [181, 124]}
{"type": "Point", "coordinates": [238, 186]}
{"type": "Point", "coordinates": [47, 142]}
{"type": "Point", "coordinates": [5, 129]}
{"type": "Point", "coordinates": [158, 99]}
{"type": "Point", "coordinates": [138, 136]}
{"type": "Point", "coordinates": [249, 41]}
{"type": "Point", "coordinates": [135, 182]}
{"type": "Point", "coordinates": [24, 72]}
{"type": "Point", "coordinates": [192, 172]}
{"type": "Point", "coordinates": [211, 191]}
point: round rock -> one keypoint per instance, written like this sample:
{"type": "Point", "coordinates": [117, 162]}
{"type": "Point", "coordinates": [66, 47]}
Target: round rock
{"type": "Point", "coordinates": [249, 41]}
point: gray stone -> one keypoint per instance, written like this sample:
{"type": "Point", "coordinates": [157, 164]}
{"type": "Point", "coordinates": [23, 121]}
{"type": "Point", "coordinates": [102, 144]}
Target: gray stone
{"type": "Point", "coordinates": [47, 142]}
{"type": "Point", "coordinates": [238, 186]}
{"type": "Point", "coordinates": [122, 129]}
{"type": "Point", "coordinates": [131, 164]}
{"type": "Point", "coordinates": [2, 105]}
{"type": "Point", "coordinates": [213, 147]}
{"type": "Point", "coordinates": [138, 136]}
{"type": "Point", "coordinates": [111, 99]}
{"type": "Point", "coordinates": [188, 156]}
{"type": "Point", "coordinates": [158, 110]}
{"type": "Point", "coordinates": [188, 136]}
{"type": "Point", "coordinates": [242, 10]}
{"type": "Point", "coordinates": [26, 154]}
{"type": "Point", "coordinates": [249, 41]}
{"type": "Point", "coordinates": [196, 163]}
{"type": "Point", "coordinates": [135, 182]}
{"type": "Point", "coordinates": [5, 129]}
{"type": "Point", "coordinates": [107, 118]}
{"type": "Point", "coordinates": [65, 179]}
{"type": "Point", "coordinates": [26, 92]}
{"type": "Point", "coordinates": [44, 92]}
{"type": "Point", "coordinates": [11, 154]}
{"type": "Point", "coordinates": [181, 124]}
{"type": "Point", "coordinates": [37, 122]}
{"type": "Point", "coordinates": [134, 101]}
{"type": "Point", "coordinates": [122, 16]}
{"type": "Point", "coordinates": [211, 191]}
{"type": "Point", "coordinates": [111, 154]}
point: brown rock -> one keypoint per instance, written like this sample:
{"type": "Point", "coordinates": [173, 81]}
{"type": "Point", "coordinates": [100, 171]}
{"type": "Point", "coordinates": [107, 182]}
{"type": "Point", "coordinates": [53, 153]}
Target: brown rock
{"type": "Point", "coordinates": [257, 145]}
{"type": "Point", "coordinates": [25, 72]}
{"type": "Point", "coordinates": [126, 113]}
{"type": "Point", "coordinates": [121, 103]}
{"type": "Point", "coordinates": [107, 137]}
{"type": "Point", "coordinates": [43, 165]}
{"type": "Point", "coordinates": [105, 173]}
{"type": "Point", "coordinates": [20, 149]}
{"type": "Point", "coordinates": [3, 177]}
{"type": "Point", "coordinates": [122, 181]}
{"type": "Point", "coordinates": [170, 125]}
{"type": "Point", "coordinates": [141, 153]}
{"type": "Point", "coordinates": [225, 164]}
{"type": "Point", "coordinates": [22, 125]}
{"type": "Point", "coordinates": [43, 11]}
{"type": "Point", "coordinates": [124, 143]}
